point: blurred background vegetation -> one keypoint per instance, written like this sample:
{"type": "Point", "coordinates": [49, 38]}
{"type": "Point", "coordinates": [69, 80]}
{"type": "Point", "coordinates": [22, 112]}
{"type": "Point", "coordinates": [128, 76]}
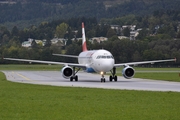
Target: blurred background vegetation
{"type": "Point", "coordinates": [21, 19]}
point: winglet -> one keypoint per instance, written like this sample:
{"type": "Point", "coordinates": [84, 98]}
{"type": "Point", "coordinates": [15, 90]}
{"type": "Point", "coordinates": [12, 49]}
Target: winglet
{"type": "Point", "coordinates": [84, 47]}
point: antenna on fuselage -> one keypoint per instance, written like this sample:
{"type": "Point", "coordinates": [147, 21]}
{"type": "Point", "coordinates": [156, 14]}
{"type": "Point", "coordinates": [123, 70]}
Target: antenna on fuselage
{"type": "Point", "coordinates": [84, 47]}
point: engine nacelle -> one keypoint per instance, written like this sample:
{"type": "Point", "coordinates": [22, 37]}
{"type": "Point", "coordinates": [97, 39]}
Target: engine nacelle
{"type": "Point", "coordinates": [128, 72]}
{"type": "Point", "coordinates": [67, 72]}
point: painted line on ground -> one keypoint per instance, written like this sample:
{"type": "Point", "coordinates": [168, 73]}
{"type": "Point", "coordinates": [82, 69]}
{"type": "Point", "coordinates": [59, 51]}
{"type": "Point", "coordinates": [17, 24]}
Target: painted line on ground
{"type": "Point", "coordinates": [28, 79]}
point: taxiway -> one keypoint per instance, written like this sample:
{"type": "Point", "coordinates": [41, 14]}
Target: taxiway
{"type": "Point", "coordinates": [54, 78]}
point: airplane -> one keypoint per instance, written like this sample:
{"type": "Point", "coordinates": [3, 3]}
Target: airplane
{"type": "Point", "coordinates": [98, 61]}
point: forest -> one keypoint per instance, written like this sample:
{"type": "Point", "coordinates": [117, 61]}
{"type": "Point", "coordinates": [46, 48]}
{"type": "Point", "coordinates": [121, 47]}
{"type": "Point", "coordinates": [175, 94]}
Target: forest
{"type": "Point", "coordinates": [159, 22]}
{"type": "Point", "coordinates": [25, 13]}
{"type": "Point", "coordinates": [151, 44]}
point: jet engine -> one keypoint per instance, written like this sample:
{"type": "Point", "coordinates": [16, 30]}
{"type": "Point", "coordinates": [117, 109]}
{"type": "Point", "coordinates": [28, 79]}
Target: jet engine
{"type": "Point", "coordinates": [67, 72]}
{"type": "Point", "coordinates": [128, 72]}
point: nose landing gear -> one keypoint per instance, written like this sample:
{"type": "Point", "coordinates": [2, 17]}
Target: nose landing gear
{"type": "Point", "coordinates": [103, 79]}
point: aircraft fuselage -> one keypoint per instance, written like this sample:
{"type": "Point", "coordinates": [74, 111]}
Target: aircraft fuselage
{"type": "Point", "coordinates": [97, 60]}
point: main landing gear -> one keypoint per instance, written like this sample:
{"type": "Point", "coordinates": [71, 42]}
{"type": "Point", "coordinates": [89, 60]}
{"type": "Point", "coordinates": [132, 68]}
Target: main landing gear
{"type": "Point", "coordinates": [74, 76]}
{"type": "Point", "coordinates": [113, 76]}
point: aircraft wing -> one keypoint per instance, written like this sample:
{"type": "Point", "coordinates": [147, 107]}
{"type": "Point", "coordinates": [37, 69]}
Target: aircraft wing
{"type": "Point", "coordinates": [48, 62]}
{"type": "Point", "coordinates": [73, 56]}
{"type": "Point", "coordinates": [143, 62]}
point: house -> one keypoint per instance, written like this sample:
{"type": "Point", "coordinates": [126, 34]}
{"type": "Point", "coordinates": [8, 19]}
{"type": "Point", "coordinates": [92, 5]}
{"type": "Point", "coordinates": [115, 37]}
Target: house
{"type": "Point", "coordinates": [115, 27]}
{"type": "Point", "coordinates": [73, 39]}
{"type": "Point", "coordinates": [123, 37]}
{"type": "Point", "coordinates": [26, 44]}
{"type": "Point", "coordinates": [98, 39]}
{"type": "Point", "coordinates": [131, 27]}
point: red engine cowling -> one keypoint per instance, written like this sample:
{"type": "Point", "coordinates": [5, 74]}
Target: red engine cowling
{"type": "Point", "coordinates": [128, 72]}
{"type": "Point", "coordinates": [67, 72]}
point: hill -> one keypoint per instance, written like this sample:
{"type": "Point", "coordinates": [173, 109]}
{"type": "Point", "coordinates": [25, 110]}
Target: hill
{"type": "Point", "coordinates": [32, 11]}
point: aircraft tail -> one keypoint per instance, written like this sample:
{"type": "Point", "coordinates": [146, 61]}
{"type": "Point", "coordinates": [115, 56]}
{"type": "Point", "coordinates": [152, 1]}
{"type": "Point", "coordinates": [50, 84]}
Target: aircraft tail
{"type": "Point", "coordinates": [84, 47]}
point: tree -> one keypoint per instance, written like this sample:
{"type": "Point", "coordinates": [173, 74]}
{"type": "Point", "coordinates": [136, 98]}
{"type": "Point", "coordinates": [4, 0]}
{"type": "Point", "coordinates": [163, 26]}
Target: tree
{"type": "Point", "coordinates": [15, 31]}
{"type": "Point", "coordinates": [142, 34]}
{"type": "Point", "coordinates": [47, 43]}
{"type": "Point", "coordinates": [113, 38]}
{"type": "Point", "coordinates": [178, 35]}
{"type": "Point", "coordinates": [46, 54]}
{"type": "Point", "coordinates": [4, 34]}
{"type": "Point", "coordinates": [61, 30]}
{"type": "Point", "coordinates": [5, 39]}
{"type": "Point", "coordinates": [126, 32]}
{"type": "Point", "coordinates": [34, 44]}
{"type": "Point", "coordinates": [69, 41]}
{"type": "Point", "coordinates": [168, 30]}
{"type": "Point", "coordinates": [110, 33]}
{"type": "Point", "coordinates": [136, 56]}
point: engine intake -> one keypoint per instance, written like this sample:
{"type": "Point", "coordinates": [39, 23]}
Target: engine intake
{"type": "Point", "coordinates": [128, 72]}
{"type": "Point", "coordinates": [67, 72]}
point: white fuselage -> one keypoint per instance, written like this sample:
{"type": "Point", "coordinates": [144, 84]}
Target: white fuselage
{"type": "Point", "coordinates": [96, 60]}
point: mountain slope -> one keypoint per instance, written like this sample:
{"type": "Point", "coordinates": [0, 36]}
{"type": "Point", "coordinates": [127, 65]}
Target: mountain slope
{"type": "Point", "coordinates": [55, 9]}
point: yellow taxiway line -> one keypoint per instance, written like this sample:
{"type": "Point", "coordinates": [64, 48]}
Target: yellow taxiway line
{"type": "Point", "coordinates": [23, 77]}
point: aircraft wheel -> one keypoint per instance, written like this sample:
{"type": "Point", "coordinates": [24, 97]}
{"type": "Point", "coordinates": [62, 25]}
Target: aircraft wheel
{"type": "Point", "coordinates": [115, 78]}
{"type": "Point", "coordinates": [103, 80]}
{"type": "Point", "coordinates": [76, 78]}
{"type": "Point", "coordinates": [71, 78]}
{"type": "Point", "coordinates": [110, 78]}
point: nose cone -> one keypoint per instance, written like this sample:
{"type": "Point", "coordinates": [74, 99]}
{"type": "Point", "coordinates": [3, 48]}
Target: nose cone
{"type": "Point", "coordinates": [105, 65]}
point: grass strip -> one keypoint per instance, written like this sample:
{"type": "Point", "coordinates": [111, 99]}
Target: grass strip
{"type": "Point", "coordinates": [26, 102]}
{"type": "Point", "coordinates": [160, 76]}
{"type": "Point", "coordinates": [31, 67]}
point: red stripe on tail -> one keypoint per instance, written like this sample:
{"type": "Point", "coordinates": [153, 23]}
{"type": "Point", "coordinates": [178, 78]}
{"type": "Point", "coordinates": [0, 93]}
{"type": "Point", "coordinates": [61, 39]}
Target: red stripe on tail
{"type": "Point", "coordinates": [84, 47]}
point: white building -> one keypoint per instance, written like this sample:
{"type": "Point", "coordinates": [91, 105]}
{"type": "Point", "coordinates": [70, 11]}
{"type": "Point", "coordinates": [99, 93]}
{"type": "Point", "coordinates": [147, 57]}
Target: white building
{"type": "Point", "coordinates": [123, 37]}
{"type": "Point", "coordinates": [26, 44]}
{"type": "Point", "coordinates": [98, 39]}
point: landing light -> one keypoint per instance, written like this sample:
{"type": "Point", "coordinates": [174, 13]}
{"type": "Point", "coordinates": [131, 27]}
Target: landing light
{"type": "Point", "coordinates": [102, 73]}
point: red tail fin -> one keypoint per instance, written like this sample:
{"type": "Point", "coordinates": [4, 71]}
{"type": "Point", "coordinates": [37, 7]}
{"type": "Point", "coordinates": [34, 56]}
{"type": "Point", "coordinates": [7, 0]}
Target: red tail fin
{"type": "Point", "coordinates": [84, 47]}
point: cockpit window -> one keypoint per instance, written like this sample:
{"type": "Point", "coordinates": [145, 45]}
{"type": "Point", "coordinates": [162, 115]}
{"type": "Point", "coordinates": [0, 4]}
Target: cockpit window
{"type": "Point", "coordinates": [104, 57]}
{"type": "Point", "coordinates": [98, 57]}
{"type": "Point", "coordinates": [109, 57]}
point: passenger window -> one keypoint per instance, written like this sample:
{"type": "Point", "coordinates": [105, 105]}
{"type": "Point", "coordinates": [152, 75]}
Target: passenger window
{"type": "Point", "coordinates": [108, 57]}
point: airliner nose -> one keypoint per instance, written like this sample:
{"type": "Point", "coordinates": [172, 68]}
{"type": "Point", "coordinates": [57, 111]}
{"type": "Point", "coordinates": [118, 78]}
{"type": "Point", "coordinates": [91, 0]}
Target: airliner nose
{"type": "Point", "coordinates": [105, 65]}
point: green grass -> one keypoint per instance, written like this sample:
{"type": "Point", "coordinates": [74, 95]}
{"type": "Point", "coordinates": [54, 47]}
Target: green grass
{"type": "Point", "coordinates": [168, 74]}
{"type": "Point", "coordinates": [31, 67]}
{"type": "Point", "coordinates": [171, 76]}
{"type": "Point", "coordinates": [36, 102]}
{"type": "Point", "coordinates": [156, 69]}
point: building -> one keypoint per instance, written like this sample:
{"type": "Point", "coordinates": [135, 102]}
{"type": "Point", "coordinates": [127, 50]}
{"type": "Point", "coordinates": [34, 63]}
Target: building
{"type": "Point", "coordinates": [123, 37]}
{"type": "Point", "coordinates": [98, 39]}
{"type": "Point", "coordinates": [26, 44]}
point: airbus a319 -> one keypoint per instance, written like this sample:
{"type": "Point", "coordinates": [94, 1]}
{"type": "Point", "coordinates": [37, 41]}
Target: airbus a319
{"type": "Point", "coordinates": [99, 61]}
